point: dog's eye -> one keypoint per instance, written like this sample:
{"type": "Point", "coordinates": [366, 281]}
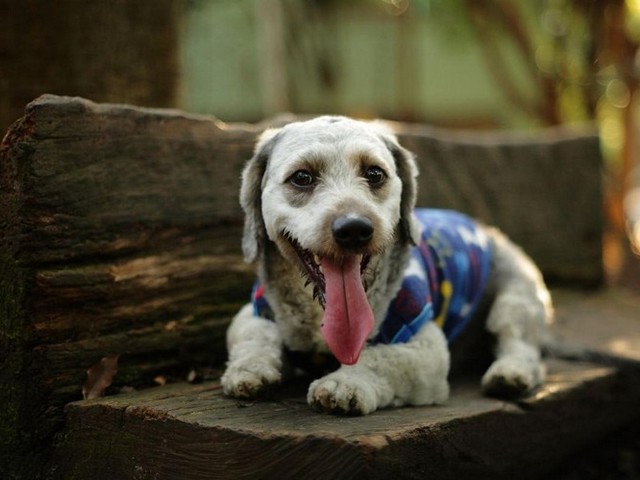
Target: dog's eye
{"type": "Point", "coordinates": [375, 176]}
{"type": "Point", "coordinates": [302, 179]}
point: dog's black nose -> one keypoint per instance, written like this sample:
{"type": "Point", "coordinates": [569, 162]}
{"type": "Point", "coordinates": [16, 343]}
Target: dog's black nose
{"type": "Point", "coordinates": [352, 232]}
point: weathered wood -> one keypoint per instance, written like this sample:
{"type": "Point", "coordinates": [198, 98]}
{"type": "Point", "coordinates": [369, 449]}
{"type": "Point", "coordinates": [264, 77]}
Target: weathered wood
{"type": "Point", "coordinates": [186, 431]}
{"type": "Point", "coordinates": [120, 231]}
{"type": "Point", "coordinates": [544, 191]}
{"type": "Point", "coordinates": [121, 228]}
{"type": "Point", "coordinates": [192, 431]}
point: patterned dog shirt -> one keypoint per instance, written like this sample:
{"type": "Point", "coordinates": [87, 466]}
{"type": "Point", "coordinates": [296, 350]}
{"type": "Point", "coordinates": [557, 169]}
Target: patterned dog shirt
{"type": "Point", "coordinates": [443, 282]}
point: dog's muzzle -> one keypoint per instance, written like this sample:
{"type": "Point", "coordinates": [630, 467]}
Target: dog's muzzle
{"type": "Point", "coordinates": [339, 286]}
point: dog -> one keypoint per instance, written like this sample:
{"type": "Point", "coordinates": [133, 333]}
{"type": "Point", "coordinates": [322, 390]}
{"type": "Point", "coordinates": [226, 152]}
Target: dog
{"type": "Point", "coordinates": [361, 288]}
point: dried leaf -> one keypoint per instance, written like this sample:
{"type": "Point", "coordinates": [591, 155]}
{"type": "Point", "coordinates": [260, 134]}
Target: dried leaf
{"type": "Point", "coordinates": [171, 326]}
{"type": "Point", "coordinates": [99, 377]}
{"type": "Point", "coordinates": [194, 376]}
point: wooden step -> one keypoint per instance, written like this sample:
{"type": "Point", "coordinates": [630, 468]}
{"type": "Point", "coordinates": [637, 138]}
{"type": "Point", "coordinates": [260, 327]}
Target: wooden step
{"type": "Point", "coordinates": [193, 431]}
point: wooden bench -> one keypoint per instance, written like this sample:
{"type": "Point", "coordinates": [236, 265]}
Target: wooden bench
{"type": "Point", "coordinates": [120, 239]}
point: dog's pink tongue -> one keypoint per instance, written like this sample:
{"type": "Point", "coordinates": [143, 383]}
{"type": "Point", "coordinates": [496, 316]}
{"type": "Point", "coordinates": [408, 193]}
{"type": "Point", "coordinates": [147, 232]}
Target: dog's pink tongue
{"type": "Point", "coordinates": [348, 319]}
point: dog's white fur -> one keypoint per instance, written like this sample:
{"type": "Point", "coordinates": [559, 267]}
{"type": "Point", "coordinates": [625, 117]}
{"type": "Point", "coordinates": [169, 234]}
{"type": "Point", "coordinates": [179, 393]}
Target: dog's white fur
{"type": "Point", "coordinates": [414, 373]}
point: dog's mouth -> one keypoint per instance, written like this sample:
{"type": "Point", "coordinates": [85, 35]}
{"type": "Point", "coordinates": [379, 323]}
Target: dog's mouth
{"type": "Point", "coordinates": [339, 287]}
{"type": "Point", "coordinates": [312, 264]}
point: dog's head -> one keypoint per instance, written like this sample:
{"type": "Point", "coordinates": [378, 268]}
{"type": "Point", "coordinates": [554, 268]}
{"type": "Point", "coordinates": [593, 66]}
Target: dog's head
{"type": "Point", "coordinates": [331, 193]}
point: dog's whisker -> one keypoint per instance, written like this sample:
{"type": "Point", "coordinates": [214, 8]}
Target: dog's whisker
{"type": "Point", "coordinates": [312, 271]}
{"type": "Point", "coordinates": [365, 263]}
{"type": "Point", "coordinates": [319, 295]}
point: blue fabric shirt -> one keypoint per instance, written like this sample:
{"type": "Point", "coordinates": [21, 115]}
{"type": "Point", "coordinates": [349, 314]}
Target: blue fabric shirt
{"type": "Point", "coordinates": [443, 281]}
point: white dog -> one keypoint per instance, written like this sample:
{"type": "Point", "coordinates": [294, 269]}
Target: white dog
{"type": "Point", "coordinates": [357, 285]}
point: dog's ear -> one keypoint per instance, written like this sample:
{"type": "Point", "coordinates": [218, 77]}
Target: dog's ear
{"type": "Point", "coordinates": [254, 234]}
{"type": "Point", "coordinates": [408, 172]}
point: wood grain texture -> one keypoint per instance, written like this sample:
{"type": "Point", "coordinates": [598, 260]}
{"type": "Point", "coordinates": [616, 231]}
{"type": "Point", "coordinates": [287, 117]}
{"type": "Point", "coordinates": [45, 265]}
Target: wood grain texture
{"type": "Point", "coordinates": [543, 191]}
{"type": "Point", "coordinates": [187, 431]}
{"type": "Point", "coordinates": [121, 236]}
{"type": "Point", "coordinates": [113, 242]}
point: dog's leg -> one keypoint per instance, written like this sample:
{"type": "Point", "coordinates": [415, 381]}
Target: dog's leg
{"type": "Point", "coordinates": [518, 317]}
{"type": "Point", "coordinates": [412, 373]}
{"type": "Point", "coordinates": [255, 355]}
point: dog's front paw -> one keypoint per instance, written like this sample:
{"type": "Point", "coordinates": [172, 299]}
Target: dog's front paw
{"type": "Point", "coordinates": [511, 377]}
{"type": "Point", "coordinates": [249, 381]}
{"type": "Point", "coordinates": [342, 394]}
